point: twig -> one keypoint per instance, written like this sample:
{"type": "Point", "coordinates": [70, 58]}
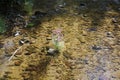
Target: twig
{"type": "Point", "coordinates": [14, 53]}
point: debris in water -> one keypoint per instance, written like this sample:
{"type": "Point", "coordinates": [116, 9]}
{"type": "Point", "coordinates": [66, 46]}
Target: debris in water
{"type": "Point", "coordinates": [14, 53]}
{"type": "Point", "coordinates": [17, 33]}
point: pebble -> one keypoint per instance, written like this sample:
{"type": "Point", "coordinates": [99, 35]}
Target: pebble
{"type": "Point", "coordinates": [109, 34]}
{"type": "Point", "coordinates": [17, 33]}
{"type": "Point", "coordinates": [66, 55]}
{"type": "Point", "coordinates": [114, 20]}
{"type": "Point", "coordinates": [8, 72]}
{"type": "Point", "coordinates": [26, 76]}
{"type": "Point", "coordinates": [32, 42]}
{"type": "Point", "coordinates": [34, 73]}
{"type": "Point", "coordinates": [84, 33]}
{"type": "Point", "coordinates": [31, 69]}
{"type": "Point", "coordinates": [68, 64]}
{"type": "Point", "coordinates": [48, 38]}
{"type": "Point", "coordinates": [85, 61]}
{"type": "Point", "coordinates": [96, 47]}
{"type": "Point", "coordinates": [23, 41]}
{"type": "Point", "coordinates": [73, 67]}
{"type": "Point", "coordinates": [42, 49]}
{"type": "Point", "coordinates": [82, 39]}
{"type": "Point", "coordinates": [6, 76]}
{"type": "Point", "coordinates": [52, 51]}
{"type": "Point", "coordinates": [82, 4]}
{"type": "Point", "coordinates": [62, 5]}
{"type": "Point", "coordinates": [17, 63]}
{"type": "Point", "coordinates": [28, 53]}
{"type": "Point", "coordinates": [92, 29]}
{"type": "Point", "coordinates": [59, 71]}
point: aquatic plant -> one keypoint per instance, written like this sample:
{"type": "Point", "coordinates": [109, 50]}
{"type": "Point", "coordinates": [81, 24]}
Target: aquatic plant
{"type": "Point", "coordinates": [2, 26]}
{"type": "Point", "coordinates": [57, 39]}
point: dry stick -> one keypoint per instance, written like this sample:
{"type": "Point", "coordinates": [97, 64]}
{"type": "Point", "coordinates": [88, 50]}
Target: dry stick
{"type": "Point", "coordinates": [14, 53]}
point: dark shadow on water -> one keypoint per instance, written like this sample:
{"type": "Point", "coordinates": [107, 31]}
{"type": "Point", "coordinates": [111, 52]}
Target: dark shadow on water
{"type": "Point", "coordinates": [94, 9]}
{"type": "Point", "coordinates": [39, 69]}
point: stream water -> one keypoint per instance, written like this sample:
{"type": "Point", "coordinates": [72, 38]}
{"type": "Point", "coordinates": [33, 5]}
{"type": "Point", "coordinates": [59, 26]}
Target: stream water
{"type": "Point", "coordinates": [91, 34]}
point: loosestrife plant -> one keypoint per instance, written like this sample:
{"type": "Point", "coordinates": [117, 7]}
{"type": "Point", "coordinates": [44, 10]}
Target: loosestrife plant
{"type": "Point", "coordinates": [57, 39]}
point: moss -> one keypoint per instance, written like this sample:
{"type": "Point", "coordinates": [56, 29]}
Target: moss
{"type": "Point", "coordinates": [2, 25]}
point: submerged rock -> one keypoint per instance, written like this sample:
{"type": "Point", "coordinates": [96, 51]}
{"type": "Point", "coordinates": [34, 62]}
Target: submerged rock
{"type": "Point", "coordinates": [82, 4]}
{"type": "Point", "coordinates": [17, 33]}
{"type": "Point", "coordinates": [18, 63]}
{"type": "Point", "coordinates": [96, 47]}
{"type": "Point", "coordinates": [52, 52]}
{"type": "Point", "coordinates": [114, 20]}
{"type": "Point", "coordinates": [9, 46]}
{"type": "Point", "coordinates": [23, 41]}
{"type": "Point", "coordinates": [110, 34]}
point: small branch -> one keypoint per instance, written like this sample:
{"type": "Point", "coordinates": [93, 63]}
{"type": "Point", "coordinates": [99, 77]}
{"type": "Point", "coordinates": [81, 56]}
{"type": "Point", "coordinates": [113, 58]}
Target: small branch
{"type": "Point", "coordinates": [14, 53]}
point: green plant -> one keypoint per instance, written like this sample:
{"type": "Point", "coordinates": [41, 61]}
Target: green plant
{"type": "Point", "coordinates": [28, 6]}
{"type": "Point", "coordinates": [30, 25]}
{"type": "Point", "coordinates": [2, 26]}
{"type": "Point", "coordinates": [57, 39]}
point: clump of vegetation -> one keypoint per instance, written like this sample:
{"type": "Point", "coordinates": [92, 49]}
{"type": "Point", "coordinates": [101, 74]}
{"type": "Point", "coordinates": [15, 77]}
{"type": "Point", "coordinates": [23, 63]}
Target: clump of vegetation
{"type": "Point", "coordinates": [57, 39]}
{"type": "Point", "coordinates": [2, 25]}
{"type": "Point", "coordinates": [28, 6]}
